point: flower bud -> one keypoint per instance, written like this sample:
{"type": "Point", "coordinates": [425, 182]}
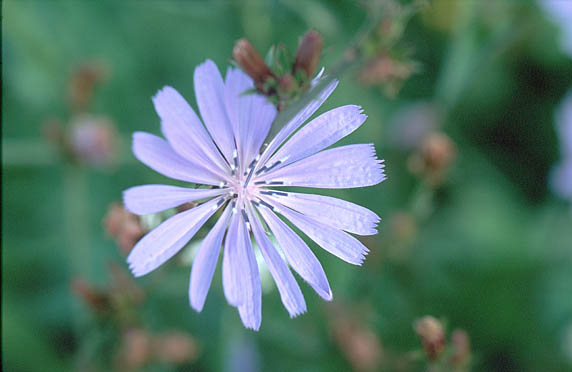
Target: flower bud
{"type": "Point", "coordinates": [287, 83]}
{"type": "Point", "coordinates": [359, 344]}
{"type": "Point", "coordinates": [432, 335]}
{"type": "Point", "coordinates": [308, 54]}
{"type": "Point", "coordinates": [124, 226]}
{"type": "Point", "coordinates": [135, 349]}
{"type": "Point", "coordinates": [95, 299]}
{"type": "Point", "coordinates": [175, 348]}
{"type": "Point", "coordinates": [82, 84]}
{"type": "Point", "coordinates": [434, 158]}
{"type": "Point", "coordinates": [384, 69]}
{"type": "Point", "coordinates": [461, 348]}
{"type": "Point", "coordinates": [251, 63]}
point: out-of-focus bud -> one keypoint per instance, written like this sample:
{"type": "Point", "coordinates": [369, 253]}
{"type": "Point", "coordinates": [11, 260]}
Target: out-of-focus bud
{"type": "Point", "coordinates": [461, 345]}
{"type": "Point", "coordinates": [135, 350]}
{"type": "Point", "coordinates": [360, 345]}
{"type": "Point", "coordinates": [124, 226]}
{"type": "Point", "coordinates": [432, 335]}
{"type": "Point", "coordinates": [96, 300]}
{"type": "Point", "coordinates": [308, 54]}
{"type": "Point", "coordinates": [175, 348]}
{"type": "Point", "coordinates": [434, 158]}
{"type": "Point", "coordinates": [252, 63]}
{"type": "Point", "coordinates": [82, 84]}
{"type": "Point", "coordinates": [93, 140]}
{"type": "Point", "coordinates": [387, 71]}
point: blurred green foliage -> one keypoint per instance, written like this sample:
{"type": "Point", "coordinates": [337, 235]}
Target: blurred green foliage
{"type": "Point", "coordinates": [490, 252]}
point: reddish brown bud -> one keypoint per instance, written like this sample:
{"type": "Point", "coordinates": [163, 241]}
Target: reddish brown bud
{"type": "Point", "coordinates": [175, 348]}
{"type": "Point", "coordinates": [432, 335]}
{"type": "Point", "coordinates": [95, 299]}
{"type": "Point", "coordinates": [360, 345]}
{"type": "Point", "coordinates": [434, 157]}
{"type": "Point", "coordinates": [124, 226]}
{"type": "Point", "coordinates": [287, 83]}
{"type": "Point", "coordinates": [251, 62]}
{"type": "Point", "coordinates": [385, 69]}
{"type": "Point", "coordinates": [308, 55]}
{"type": "Point", "coordinates": [461, 348]}
{"type": "Point", "coordinates": [82, 84]}
{"type": "Point", "coordinates": [135, 350]}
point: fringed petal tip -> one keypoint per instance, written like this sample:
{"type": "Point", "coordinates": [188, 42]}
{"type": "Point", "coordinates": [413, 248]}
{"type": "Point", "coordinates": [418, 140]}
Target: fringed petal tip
{"type": "Point", "coordinates": [297, 313]}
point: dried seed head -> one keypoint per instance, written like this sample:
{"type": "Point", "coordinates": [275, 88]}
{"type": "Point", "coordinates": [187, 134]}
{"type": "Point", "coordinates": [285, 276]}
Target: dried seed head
{"type": "Point", "coordinates": [308, 54]}
{"type": "Point", "coordinates": [432, 335]}
{"type": "Point", "coordinates": [251, 62]}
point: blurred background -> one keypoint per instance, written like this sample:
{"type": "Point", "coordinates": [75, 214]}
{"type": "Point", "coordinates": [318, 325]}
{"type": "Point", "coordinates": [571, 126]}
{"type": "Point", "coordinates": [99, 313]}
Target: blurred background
{"type": "Point", "coordinates": [469, 103]}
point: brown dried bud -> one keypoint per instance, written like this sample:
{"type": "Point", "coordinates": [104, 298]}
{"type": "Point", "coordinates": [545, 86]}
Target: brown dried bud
{"type": "Point", "coordinates": [433, 159]}
{"type": "Point", "coordinates": [96, 300]}
{"type": "Point", "coordinates": [385, 69]}
{"type": "Point", "coordinates": [360, 345]}
{"type": "Point", "coordinates": [175, 348]}
{"type": "Point", "coordinates": [82, 84]}
{"type": "Point", "coordinates": [432, 335]}
{"type": "Point", "coordinates": [135, 350]}
{"type": "Point", "coordinates": [461, 348]}
{"type": "Point", "coordinates": [124, 226]}
{"type": "Point", "coordinates": [251, 63]}
{"type": "Point", "coordinates": [308, 55]}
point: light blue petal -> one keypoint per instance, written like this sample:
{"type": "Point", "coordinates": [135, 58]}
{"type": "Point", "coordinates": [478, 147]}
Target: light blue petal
{"type": "Point", "coordinates": [230, 281]}
{"type": "Point", "coordinates": [164, 241]}
{"type": "Point", "coordinates": [298, 254]}
{"type": "Point", "coordinates": [204, 264]}
{"type": "Point", "coordinates": [323, 131]}
{"type": "Point", "coordinates": [290, 292]}
{"type": "Point", "coordinates": [296, 121]}
{"type": "Point", "coordinates": [334, 212]}
{"type": "Point", "coordinates": [158, 155]}
{"type": "Point", "coordinates": [185, 132]}
{"type": "Point", "coordinates": [250, 308]}
{"type": "Point", "coordinates": [155, 198]}
{"type": "Point", "coordinates": [338, 168]}
{"type": "Point", "coordinates": [209, 92]}
{"type": "Point", "coordinates": [335, 241]}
